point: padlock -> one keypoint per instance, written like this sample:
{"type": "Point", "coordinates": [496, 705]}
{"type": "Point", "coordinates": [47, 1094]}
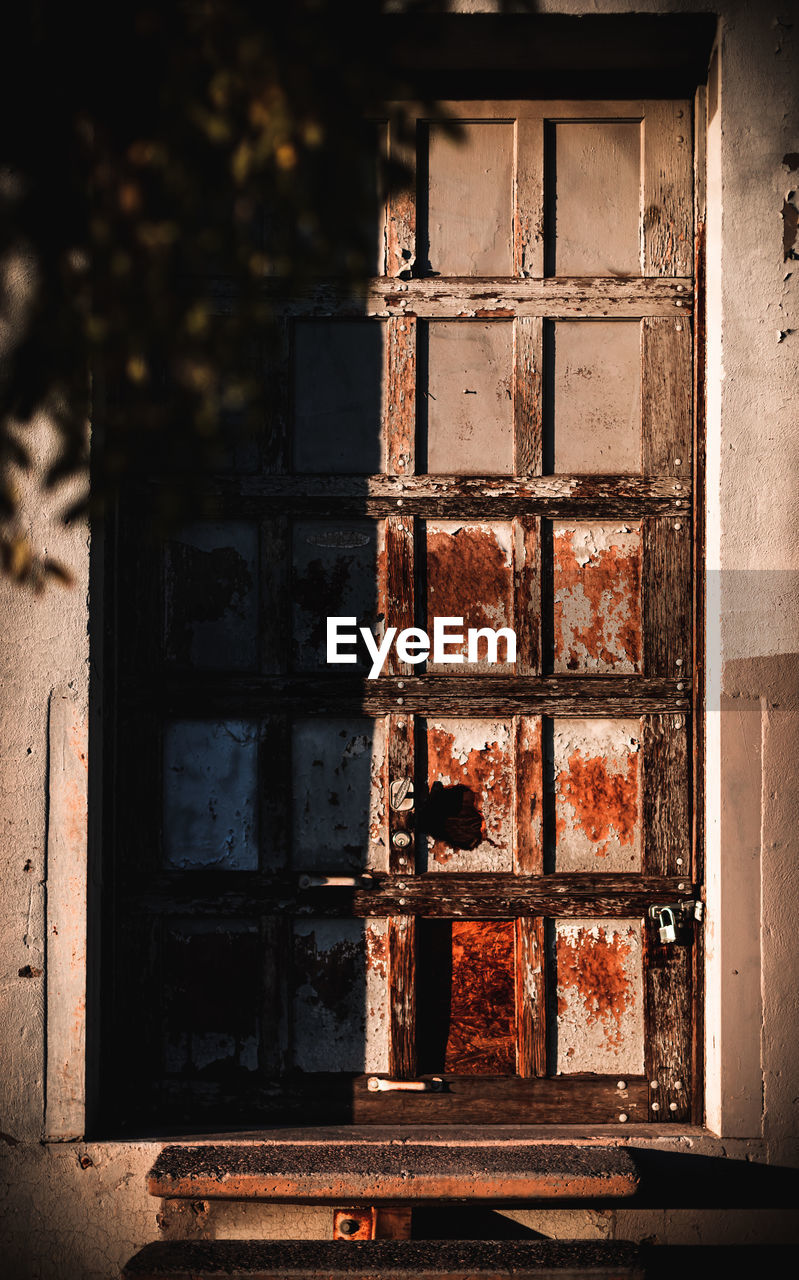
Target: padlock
{"type": "Point", "coordinates": [667, 932]}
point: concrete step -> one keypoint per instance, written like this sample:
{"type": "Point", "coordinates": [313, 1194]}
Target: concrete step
{"type": "Point", "coordinates": [401, 1173]}
{"type": "Point", "coordinates": [386, 1260]}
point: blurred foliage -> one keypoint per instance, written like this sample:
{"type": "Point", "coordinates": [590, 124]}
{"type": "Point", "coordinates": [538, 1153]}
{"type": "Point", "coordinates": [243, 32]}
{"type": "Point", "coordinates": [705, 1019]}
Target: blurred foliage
{"type": "Point", "coordinates": [152, 150]}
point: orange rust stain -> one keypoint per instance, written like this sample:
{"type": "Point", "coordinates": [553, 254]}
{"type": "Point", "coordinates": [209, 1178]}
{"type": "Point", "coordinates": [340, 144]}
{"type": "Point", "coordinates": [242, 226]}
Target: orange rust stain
{"type": "Point", "coordinates": [605, 804]}
{"type": "Point", "coordinates": [482, 1039]}
{"type": "Point", "coordinates": [611, 584]}
{"type": "Point", "coordinates": [487, 774]}
{"type": "Point", "coordinates": [468, 577]}
{"type": "Point", "coordinates": [376, 951]}
{"type": "Point", "coordinates": [594, 968]}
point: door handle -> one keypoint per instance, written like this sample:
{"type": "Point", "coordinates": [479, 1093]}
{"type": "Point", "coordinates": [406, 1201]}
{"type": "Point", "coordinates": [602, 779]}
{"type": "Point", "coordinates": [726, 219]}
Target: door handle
{"type": "Point", "coordinates": [376, 1085]}
{"type": "Point", "coordinates": [364, 881]}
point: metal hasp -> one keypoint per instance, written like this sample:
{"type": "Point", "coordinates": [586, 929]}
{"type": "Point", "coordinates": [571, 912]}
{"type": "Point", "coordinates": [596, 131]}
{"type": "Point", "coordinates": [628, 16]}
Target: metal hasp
{"type": "Point", "coordinates": [376, 1085]}
{"type": "Point", "coordinates": [400, 795]}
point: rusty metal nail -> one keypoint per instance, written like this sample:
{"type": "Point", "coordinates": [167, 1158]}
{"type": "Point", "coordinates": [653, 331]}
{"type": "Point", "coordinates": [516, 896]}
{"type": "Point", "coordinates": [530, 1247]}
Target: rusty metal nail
{"type": "Point", "coordinates": [621, 1084]}
{"type": "Point", "coordinates": [678, 327]}
{"type": "Point", "coordinates": [678, 302]}
{"type": "Point", "coordinates": [680, 685]}
{"type": "Point", "coordinates": [678, 462]}
{"type": "Point", "coordinates": [680, 138]}
{"type": "Point", "coordinates": [655, 1106]}
{"type": "Point", "coordinates": [400, 702]}
{"type": "Point", "coordinates": [672, 1106]}
{"type": "Point", "coordinates": [680, 886]}
{"type": "Point", "coordinates": [402, 902]}
{"type": "Point", "coordinates": [623, 1116]}
{"type": "Point", "coordinates": [348, 1226]}
{"type": "Point", "coordinates": [400, 724]}
{"type": "Point", "coordinates": [400, 886]}
{"type": "Point", "coordinates": [679, 862]}
{"type": "Point", "coordinates": [680, 288]}
{"type": "Point", "coordinates": [678, 662]}
{"type": "Point", "coordinates": [399, 502]}
{"type": "Point", "coordinates": [654, 1084]}
{"type": "Point", "coordinates": [400, 684]}
{"type": "Point", "coordinates": [678, 1084]}
{"type": "Point", "coordinates": [677, 524]}
{"type": "Point", "coordinates": [678, 502]}
{"type": "Point", "coordinates": [402, 861]}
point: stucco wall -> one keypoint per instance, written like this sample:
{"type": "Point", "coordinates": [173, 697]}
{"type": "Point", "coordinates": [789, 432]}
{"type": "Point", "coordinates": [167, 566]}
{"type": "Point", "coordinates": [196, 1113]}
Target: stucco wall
{"type": "Point", "coordinates": [68, 1217]}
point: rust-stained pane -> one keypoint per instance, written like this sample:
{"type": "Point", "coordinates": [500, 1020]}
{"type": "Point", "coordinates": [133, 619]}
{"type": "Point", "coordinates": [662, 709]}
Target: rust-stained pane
{"type": "Point", "coordinates": [598, 801]}
{"type": "Point", "coordinates": [467, 1001]}
{"type": "Point", "coordinates": [468, 400]}
{"type": "Point", "coordinates": [212, 1000]}
{"type": "Point", "coordinates": [338, 767]}
{"type": "Point", "coordinates": [340, 996]}
{"type": "Point", "coordinates": [600, 1000]}
{"type": "Point", "coordinates": [597, 400]}
{"type": "Point", "coordinates": [470, 200]}
{"type": "Point", "coordinates": [468, 816]}
{"type": "Point", "coordinates": [210, 789]}
{"type": "Point", "coordinates": [338, 571]}
{"type": "Point", "coordinates": [596, 571]}
{"type": "Point", "coordinates": [597, 176]}
{"type": "Point", "coordinates": [211, 596]}
{"type": "Point", "coordinates": [470, 576]}
{"type": "Point", "coordinates": [339, 389]}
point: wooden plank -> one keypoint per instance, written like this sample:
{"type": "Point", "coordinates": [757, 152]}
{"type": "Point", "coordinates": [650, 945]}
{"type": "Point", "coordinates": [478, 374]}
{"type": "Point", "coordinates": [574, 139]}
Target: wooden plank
{"type": "Point", "coordinates": [401, 206]}
{"type": "Point", "coordinates": [528, 248]}
{"type": "Point", "coordinates": [445, 298]}
{"type": "Point", "coordinates": [275, 941]}
{"type": "Point", "coordinates": [666, 796]}
{"type": "Point", "coordinates": [527, 594]}
{"type": "Point", "coordinates": [666, 598]}
{"type": "Point", "coordinates": [401, 396]}
{"type": "Point", "coordinates": [528, 343]}
{"type": "Point", "coordinates": [580, 497]}
{"type": "Point", "coordinates": [399, 583]}
{"type": "Point", "coordinates": [666, 400]}
{"type": "Point", "coordinates": [667, 189]}
{"type": "Point", "coordinates": [274, 606]}
{"type": "Point", "coordinates": [401, 765]}
{"type": "Point", "coordinates": [201, 694]}
{"type": "Point", "coordinates": [529, 848]}
{"type": "Point", "coordinates": [401, 997]}
{"type": "Point", "coordinates": [486, 896]}
{"type": "Point", "coordinates": [668, 1037]}
{"type": "Point", "coordinates": [531, 1036]}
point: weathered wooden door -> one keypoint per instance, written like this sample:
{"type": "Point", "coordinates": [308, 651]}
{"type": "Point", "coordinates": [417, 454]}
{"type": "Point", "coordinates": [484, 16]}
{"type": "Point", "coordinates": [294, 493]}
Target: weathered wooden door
{"type": "Point", "coordinates": [500, 431]}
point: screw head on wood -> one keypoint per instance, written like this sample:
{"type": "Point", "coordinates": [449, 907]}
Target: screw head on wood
{"type": "Point", "coordinates": [622, 1117]}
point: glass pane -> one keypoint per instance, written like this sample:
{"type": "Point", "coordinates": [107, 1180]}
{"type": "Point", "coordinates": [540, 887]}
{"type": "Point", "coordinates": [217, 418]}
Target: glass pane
{"type": "Point", "coordinates": [210, 782]}
{"type": "Point", "coordinates": [600, 996]}
{"type": "Point", "coordinates": [211, 596]}
{"type": "Point", "coordinates": [338, 801]}
{"type": "Point", "coordinates": [467, 405]}
{"type": "Point", "coordinates": [470, 200]}
{"type": "Point", "coordinates": [596, 776]}
{"type": "Point", "coordinates": [340, 1008]}
{"type": "Point", "coordinates": [597, 605]}
{"type": "Point", "coordinates": [339, 571]}
{"type": "Point", "coordinates": [597, 397]}
{"type": "Point", "coordinates": [339, 390]}
{"type": "Point", "coordinates": [598, 198]}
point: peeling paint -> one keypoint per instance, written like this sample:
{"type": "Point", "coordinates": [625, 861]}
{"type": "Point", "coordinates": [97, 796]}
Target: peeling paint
{"type": "Point", "coordinates": [340, 1002]}
{"type": "Point", "coordinates": [477, 754]}
{"type": "Point", "coordinates": [339, 570]}
{"type": "Point", "coordinates": [599, 975]}
{"type": "Point", "coordinates": [597, 589]}
{"type": "Point", "coordinates": [596, 770]}
{"type": "Point", "coordinates": [338, 797]}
